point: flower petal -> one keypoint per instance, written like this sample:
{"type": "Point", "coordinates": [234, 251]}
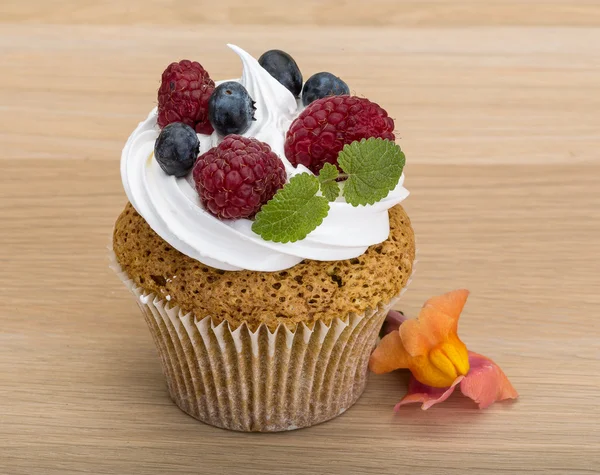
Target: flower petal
{"type": "Point", "coordinates": [437, 321]}
{"type": "Point", "coordinates": [429, 396]}
{"type": "Point", "coordinates": [451, 303]}
{"type": "Point", "coordinates": [393, 320]}
{"type": "Point", "coordinates": [389, 355]}
{"type": "Point", "coordinates": [486, 383]}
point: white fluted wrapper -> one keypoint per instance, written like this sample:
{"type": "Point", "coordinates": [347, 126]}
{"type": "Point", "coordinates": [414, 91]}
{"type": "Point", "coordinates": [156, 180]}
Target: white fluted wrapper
{"type": "Point", "coordinates": [260, 381]}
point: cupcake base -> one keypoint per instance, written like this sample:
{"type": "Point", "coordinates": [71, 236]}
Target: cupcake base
{"type": "Point", "coordinates": [263, 380]}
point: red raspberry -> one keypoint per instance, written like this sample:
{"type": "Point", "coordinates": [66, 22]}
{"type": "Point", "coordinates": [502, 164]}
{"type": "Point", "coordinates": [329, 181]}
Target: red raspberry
{"type": "Point", "coordinates": [237, 177]}
{"type": "Point", "coordinates": [326, 125]}
{"type": "Point", "coordinates": [183, 96]}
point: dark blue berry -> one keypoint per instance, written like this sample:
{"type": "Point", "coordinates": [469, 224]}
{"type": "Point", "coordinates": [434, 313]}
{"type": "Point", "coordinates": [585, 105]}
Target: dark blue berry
{"type": "Point", "coordinates": [282, 67]}
{"type": "Point", "coordinates": [322, 85]}
{"type": "Point", "coordinates": [231, 109]}
{"type": "Point", "coordinates": [176, 149]}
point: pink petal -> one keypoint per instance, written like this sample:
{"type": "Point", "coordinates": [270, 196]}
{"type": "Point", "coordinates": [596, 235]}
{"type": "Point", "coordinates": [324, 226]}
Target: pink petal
{"type": "Point", "coordinates": [419, 392]}
{"type": "Point", "coordinates": [393, 320]}
{"type": "Point", "coordinates": [486, 383]}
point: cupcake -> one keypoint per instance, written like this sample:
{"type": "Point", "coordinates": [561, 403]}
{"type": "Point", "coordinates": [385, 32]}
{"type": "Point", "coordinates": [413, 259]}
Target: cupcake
{"type": "Point", "coordinates": [263, 240]}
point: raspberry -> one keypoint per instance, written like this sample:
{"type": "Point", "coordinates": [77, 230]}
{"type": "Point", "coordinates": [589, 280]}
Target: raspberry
{"type": "Point", "coordinates": [237, 177]}
{"type": "Point", "coordinates": [326, 125]}
{"type": "Point", "coordinates": [183, 96]}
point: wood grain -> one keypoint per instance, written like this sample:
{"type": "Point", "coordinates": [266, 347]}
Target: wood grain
{"type": "Point", "coordinates": [498, 107]}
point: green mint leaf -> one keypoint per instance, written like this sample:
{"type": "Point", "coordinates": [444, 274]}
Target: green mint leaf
{"type": "Point", "coordinates": [373, 166]}
{"type": "Point", "coordinates": [293, 212]}
{"type": "Point", "coordinates": [328, 172]}
{"type": "Point", "coordinates": [329, 187]}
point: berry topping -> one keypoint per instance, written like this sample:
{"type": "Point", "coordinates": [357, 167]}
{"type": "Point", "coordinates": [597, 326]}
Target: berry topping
{"type": "Point", "coordinates": [322, 85]}
{"type": "Point", "coordinates": [322, 129]}
{"type": "Point", "coordinates": [231, 109]}
{"type": "Point", "coordinates": [237, 177]}
{"type": "Point", "coordinates": [176, 149]}
{"type": "Point", "coordinates": [282, 67]}
{"type": "Point", "coordinates": [183, 96]}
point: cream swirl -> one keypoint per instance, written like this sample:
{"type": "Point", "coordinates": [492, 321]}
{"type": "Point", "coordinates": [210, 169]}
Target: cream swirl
{"type": "Point", "coordinates": [173, 210]}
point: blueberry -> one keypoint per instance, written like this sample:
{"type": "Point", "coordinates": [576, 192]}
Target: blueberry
{"type": "Point", "coordinates": [282, 67]}
{"type": "Point", "coordinates": [230, 108]}
{"type": "Point", "coordinates": [176, 149]}
{"type": "Point", "coordinates": [322, 85]}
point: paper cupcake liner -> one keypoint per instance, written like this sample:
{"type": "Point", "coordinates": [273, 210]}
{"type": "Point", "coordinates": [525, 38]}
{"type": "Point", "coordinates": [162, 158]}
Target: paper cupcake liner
{"type": "Point", "coordinates": [261, 380]}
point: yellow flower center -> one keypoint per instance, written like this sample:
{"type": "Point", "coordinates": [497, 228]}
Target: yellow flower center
{"type": "Point", "coordinates": [450, 359]}
{"type": "Point", "coordinates": [443, 364]}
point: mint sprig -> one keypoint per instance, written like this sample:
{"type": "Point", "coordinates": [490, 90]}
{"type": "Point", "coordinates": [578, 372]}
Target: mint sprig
{"type": "Point", "coordinates": [371, 169]}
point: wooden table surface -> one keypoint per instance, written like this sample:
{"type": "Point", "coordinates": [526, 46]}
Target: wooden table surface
{"type": "Point", "coordinates": [498, 108]}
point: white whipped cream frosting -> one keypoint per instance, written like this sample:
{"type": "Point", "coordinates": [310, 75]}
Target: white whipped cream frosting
{"type": "Point", "coordinates": [172, 208]}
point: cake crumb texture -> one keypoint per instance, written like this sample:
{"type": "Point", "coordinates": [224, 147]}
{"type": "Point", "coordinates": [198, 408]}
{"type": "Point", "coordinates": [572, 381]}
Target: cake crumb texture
{"type": "Point", "coordinates": [307, 292]}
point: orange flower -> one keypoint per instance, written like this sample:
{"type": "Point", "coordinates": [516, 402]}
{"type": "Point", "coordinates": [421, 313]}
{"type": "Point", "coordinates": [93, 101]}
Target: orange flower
{"type": "Point", "coordinates": [428, 346]}
{"type": "Point", "coordinates": [438, 360]}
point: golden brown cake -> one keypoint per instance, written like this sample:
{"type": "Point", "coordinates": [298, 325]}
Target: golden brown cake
{"type": "Point", "coordinates": [306, 293]}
